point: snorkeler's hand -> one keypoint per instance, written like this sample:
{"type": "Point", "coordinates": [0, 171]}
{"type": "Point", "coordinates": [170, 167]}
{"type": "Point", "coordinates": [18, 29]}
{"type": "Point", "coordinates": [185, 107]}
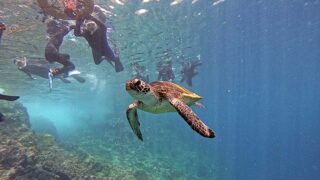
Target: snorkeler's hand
{"type": "Point", "coordinates": [2, 26]}
{"type": "Point", "coordinates": [56, 71]}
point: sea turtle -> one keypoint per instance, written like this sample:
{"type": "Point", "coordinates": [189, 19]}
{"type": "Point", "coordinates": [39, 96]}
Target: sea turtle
{"type": "Point", "coordinates": [161, 97]}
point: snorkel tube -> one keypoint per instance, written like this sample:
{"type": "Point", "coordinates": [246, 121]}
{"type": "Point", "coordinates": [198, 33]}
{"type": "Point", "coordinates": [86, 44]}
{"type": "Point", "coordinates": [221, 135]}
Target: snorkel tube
{"type": "Point", "coordinates": [50, 76]}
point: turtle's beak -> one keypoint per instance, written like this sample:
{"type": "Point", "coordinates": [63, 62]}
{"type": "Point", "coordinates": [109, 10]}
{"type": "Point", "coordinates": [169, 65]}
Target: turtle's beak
{"type": "Point", "coordinates": [128, 85]}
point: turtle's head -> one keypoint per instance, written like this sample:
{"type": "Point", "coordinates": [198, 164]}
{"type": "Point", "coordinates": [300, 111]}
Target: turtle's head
{"type": "Point", "coordinates": [137, 88]}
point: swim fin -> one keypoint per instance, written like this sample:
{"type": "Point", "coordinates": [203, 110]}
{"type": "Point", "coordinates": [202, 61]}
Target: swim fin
{"type": "Point", "coordinates": [118, 65]}
{"type": "Point", "coordinates": [8, 98]}
{"type": "Point", "coordinates": [79, 78]}
{"type": "Point", "coordinates": [76, 75]}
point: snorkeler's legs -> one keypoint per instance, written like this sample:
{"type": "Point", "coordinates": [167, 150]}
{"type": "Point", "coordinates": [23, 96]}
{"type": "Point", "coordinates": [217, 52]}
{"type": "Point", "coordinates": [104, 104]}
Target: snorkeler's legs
{"type": "Point", "coordinates": [110, 56]}
{"type": "Point", "coordinates": [52, 55]}
{"type": "Point", "coordinates": [68, 66]}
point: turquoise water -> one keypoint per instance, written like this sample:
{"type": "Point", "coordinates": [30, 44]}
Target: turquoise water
{"type": "Point", "coordinates": [259, 81]}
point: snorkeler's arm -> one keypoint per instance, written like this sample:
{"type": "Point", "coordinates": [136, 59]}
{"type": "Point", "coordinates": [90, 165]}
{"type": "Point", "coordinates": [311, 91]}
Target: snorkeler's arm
{"type": "Point", "coordinates": [62, 31]}
{"type": "Point", "coordinates": [77, 30]}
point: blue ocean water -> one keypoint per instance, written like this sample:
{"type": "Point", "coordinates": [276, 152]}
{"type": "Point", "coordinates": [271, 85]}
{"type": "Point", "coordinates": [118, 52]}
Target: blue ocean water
{"type": "Point", "coordinates": [260, 83]}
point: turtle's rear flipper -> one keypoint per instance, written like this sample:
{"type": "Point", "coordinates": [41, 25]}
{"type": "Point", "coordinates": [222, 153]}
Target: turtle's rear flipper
{"type": "Point", "coordinates": [8, 98]}
{"type": "Point", "coordinates": [132, 117]}
{"type": "Point", "coordinates": [191, 118]}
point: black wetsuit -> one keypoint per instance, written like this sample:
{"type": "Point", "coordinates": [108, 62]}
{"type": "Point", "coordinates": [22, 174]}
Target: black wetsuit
{"type": "Point", "coordinates": [166, 74]}
{"type": "Point", "coordinates": [139, 72]}
{"type": "Point", "coordinates": [57, 30]}
{"type": "Point", "coordinates": [36, 67]}
{"type": "Point", "coordinates": [189, 71]}
{"type": "Point", "coordinates": [98, 42]}
{"type": "Point", "coordinates": [2, 28]}
{"type": "Point", "coordinates": [41, 68]}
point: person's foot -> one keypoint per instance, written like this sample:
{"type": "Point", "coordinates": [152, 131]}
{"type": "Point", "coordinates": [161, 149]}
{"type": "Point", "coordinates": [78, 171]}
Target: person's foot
{"type": "Point", "coordinates": [118, 65]}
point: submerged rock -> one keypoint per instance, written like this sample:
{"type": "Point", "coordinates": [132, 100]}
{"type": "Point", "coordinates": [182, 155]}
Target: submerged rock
{"type": "Point", "coordinates": [25, 155]}
{"type": "Point", "coordinates": [28, 155]}
{"type": "Point", "coordinates": [43, 126]}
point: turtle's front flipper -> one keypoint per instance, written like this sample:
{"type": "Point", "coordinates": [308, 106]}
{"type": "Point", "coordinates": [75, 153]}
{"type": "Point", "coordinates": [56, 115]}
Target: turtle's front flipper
{"type": "Point", "coordinates": [132, 117]}
{"type": "Point", "coordinates": [191, 118]}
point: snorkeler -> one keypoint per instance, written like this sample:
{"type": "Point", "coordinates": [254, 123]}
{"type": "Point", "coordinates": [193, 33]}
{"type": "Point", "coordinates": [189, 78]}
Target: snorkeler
{"type": "Point", "coordinates": [165, 70]}
{"type": "Point", "coordinates": [139, 72]}
{"type": "Point", "coordinates": [70, 8]}
{"type": "Point", "coordinates": [41, 68]}
{"type": "Point", "coordinates": [56, 31]}
{"type": "Point", "coordinates": [189, 71]}
{"type": "Point", "coordinates": [2, 28]}
{"type": "Point", "coordinates": [95, 32]}
{"type": "Point", "coordinates": [8, 98]}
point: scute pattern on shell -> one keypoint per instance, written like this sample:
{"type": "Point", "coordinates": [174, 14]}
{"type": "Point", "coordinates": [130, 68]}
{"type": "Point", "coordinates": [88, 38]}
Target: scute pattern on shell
{"type": "Point", "coordinates": [163, 87]}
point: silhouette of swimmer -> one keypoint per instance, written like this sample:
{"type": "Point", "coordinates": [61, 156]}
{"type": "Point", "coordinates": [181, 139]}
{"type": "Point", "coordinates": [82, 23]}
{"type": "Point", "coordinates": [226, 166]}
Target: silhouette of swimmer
{"type": "Point", "coordinates": [8, 98]}
{"type": "Point", "coordinates": [41, 68]}
{"type": "Point", "coordinates": [95, 32]}
{"type": "Point", "coordinates": [56, 31]}
{"type": "Point", "coordinates": [189, 71]}
{"type": "Point", "coordinates": [139, 72]}
{"type": "Point", "coordinates": [165, 70]}
{"type": "Point", "coordinates": [2, 28]}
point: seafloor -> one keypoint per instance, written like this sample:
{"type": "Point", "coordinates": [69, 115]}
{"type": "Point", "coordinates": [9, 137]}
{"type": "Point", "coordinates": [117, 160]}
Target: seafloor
{"type": "Point", "coordinates": [27, 153]}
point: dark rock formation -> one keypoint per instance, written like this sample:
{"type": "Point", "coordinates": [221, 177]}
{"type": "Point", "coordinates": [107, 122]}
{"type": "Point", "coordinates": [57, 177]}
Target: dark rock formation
{"type": "Point", "coordinates": [24, 155]}
{"type": "Point", "coordinates": [43, 126]}
{"type": "Point", "coordinates": [27, 155]}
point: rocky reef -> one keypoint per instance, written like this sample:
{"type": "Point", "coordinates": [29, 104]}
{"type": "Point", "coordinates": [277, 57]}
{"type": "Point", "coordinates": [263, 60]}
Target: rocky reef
{"type": "Point", "coordinates": [26, 155]}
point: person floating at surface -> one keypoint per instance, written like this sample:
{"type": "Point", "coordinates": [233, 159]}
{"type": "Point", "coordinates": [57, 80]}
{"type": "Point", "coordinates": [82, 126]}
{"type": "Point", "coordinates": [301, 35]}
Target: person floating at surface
{"type": "Point", "coordinates": [189, 71]}
{"type": "Point", "coordinates": [165, 70]}
{"type": "Point", "coordinates": [2, 28]}
{"type": "Point", "coordinates": [70, 8]}
{"type": "Point", "coordinates": [139, 72]}
{"type": "Point", "coordinates": [56, 31]}
{"type": "Point", "coordinates": [41, 68]}
{"type": "Point", "coordinates": [8, 98]}
{"type": "Point", "coordinates": [95, 32]}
